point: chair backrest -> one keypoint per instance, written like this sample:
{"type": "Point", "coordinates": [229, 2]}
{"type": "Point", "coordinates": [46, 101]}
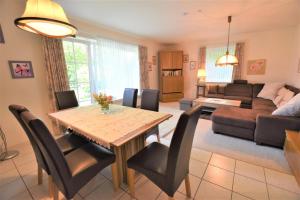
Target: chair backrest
{"type": "Point", "coordinates": [16, 110]}
{"type": "Point", "coordinates": [66, 99]}
{"type": "Point", "coordinates": [150, 99]}
{"type": "Point", "coordinates": [54, 157]}
{"type": "Point", "coordinates": [180, 148]}
{"type": "Point", "coordinates": [130, 97]}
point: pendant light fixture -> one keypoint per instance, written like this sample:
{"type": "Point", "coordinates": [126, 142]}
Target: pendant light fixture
{"type": "Point", "coordinates": [227, 59]}
{"type": "Point", "coordinates": [47, 18]}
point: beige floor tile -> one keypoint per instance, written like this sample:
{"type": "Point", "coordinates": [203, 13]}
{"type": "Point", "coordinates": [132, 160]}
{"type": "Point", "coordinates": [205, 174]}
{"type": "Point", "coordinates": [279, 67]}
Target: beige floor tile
{"type": "Point", "coordinates": [125, 196]}
{"type": "Point", "coordinates": [249, 170]}
{"type": "Point", "coordinates": [177, 196]}
{"type": "Point", "coordinates": [250, 187]}
{"type": "Point", "coordinates": [282, 180]}
{"type": "Point", "coordinates": [276, 193]}
{"type": "Point", "coordinates": [22, 196]}
{"type": "Point", "coordinates": [236, 196]}
{"type": "Point", "coordinates": [11, 189]}
{"type": "Point", "coordinates": [201, 155]}
{"type": "Point", "coordinates": [107, 172]}
{"type": "Point", "coordinates": [197, 168]}
{"type": "Point", "coordinates": [31, 179]}
{"type": "Point", "coordinates": [146, 190]}
{"type": "Point", "coordinates": [92, 185]}
{"type": "Point", "coordinates": [6, 166]}
{"type": "Point", "coordinates": [9, 176]}
{"type": "Point", "coordinates": [209, 191]}
{"type": "Point", "coordinates": [194, 181]}
{"type": "Point", "coordinates": [27, 168]}
{"type": "Point", "coordinates": [219, 176]}
{"type": "Point", "coordinates": [23, 159]}
{"type": "Point", "coordinates": [222, 162]}
{"type": "Point", "coordinates": [104, 192]}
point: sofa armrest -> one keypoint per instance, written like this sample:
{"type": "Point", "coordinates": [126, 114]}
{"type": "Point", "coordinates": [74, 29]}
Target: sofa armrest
{"type": "Point", "coordinates": [270, 129]}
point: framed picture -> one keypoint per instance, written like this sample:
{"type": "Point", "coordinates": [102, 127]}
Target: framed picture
{"type": "Point", "coordinates": [154, 60]}
{"type": "Point", "coordinates": [256, 67]}
{"type": "Point", "coordinates": [193, 65]}
{"type": "Point", "coordinates": [299, 65]}
{"type": "Point", "coordinates": [149, 66]}
{"type": "Point", "coordinates": [186, 58]}
{"type": "Point", "coordinates": [1, 36]}
{"type": "Point", "coordinates": [21, 69]}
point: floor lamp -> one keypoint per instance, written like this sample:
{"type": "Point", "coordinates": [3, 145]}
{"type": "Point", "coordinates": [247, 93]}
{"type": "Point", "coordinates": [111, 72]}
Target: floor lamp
{"type": "Point", "coordinates": [4, 153]}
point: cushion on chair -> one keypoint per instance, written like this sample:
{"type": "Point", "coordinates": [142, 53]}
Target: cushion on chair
{"type": "Point", "coordinates": [151, 161]}
{"type": "Point", "coordinates": [69, 142]}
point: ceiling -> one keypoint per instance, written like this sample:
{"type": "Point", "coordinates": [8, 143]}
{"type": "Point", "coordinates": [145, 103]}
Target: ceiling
{"type": "Point", "coordinates": [185, 20]}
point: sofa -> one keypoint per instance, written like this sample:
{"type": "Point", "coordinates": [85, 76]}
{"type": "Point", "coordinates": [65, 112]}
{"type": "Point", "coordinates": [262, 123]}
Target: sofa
{"type": "Point", "coordinates": [253, 120]}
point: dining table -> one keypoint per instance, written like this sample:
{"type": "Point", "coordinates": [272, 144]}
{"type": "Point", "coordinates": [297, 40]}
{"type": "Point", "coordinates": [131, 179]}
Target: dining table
{"type": "Point", "coordinates": [121, 129]}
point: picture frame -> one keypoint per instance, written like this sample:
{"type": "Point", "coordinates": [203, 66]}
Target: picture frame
{"type": "Point", "coordinates": [256, 67]}
{"type": "Point", "coordinates": [21, 69]}
{"type": "Point", "coordinates": [1, 36]}
{"type": "Point", "coordinates": [193, 65]}
{"type": "Point", "coordinates": [149, 66]}
{"type": "Point", "coordinates": [185, 58]}
{"type": "Point", "coordinates": [154, 60]}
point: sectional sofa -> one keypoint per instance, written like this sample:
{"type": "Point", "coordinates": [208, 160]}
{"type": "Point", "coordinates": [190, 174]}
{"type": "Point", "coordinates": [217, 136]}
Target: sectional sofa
{"type": "Point", "coordinates": [254, 119]}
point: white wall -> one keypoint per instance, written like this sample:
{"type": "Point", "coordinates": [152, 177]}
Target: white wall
{"type": "Point", "coordinates": [276, 46]}
{"type": "Point", "coordinates": [32, 93]}
{"type": "Point", "coordinates": [294, 74]}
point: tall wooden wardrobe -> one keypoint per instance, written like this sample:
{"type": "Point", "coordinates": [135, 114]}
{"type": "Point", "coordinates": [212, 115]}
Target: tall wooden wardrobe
{"type": "Point", "coordinates": [171, 75]}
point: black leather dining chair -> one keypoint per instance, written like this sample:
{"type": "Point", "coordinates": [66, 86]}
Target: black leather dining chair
{"type": "Point", "coordinates": [72, 171]}
{"type": "Point", "coordinates": [150, 101]}
{"type": "Point", "coordinates": [66, 143]}
{"type": "Point", "coordinates": [66, 99]}
{"type": "Point", "coordinates": [130, 97]}
{"type": "Point", "coordinates": [167, 167]}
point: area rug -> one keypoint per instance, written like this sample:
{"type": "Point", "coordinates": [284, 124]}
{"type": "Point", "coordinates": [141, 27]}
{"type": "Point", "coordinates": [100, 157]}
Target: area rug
{"type": "Point", "coordinates": [236, 148]}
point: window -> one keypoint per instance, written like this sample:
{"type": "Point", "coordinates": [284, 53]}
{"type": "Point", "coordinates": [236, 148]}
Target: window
{"type": "Point", "coordinates": [101, 65]}
{"type": "Point", "coordinates": [76, 55]}
{"type": "Point", "coordinates": [218, 74]}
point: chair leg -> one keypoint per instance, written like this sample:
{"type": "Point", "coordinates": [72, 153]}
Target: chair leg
{"type": "Point", "coordinates": [115, 175]}
{"type": "Point", "coordinates": [188, 186]}
{"type": "Point", "coordinates": [55, 191]}
{"type": "Point", "coordinates": [50, 186]}
{"type": "Point", "coordinates": [40, 175]}
{"type": "Point", "coordinates": [130, 180]}
{"type": "Point", "coordinates": [158, 138]}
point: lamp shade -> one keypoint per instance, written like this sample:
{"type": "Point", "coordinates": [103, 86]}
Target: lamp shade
{"type": "Point", "coordinates": [227, 60]}
{"type": "Point", "coordinates": [201, 73]}
{"type": "Point", "coordinates": [47, 18]}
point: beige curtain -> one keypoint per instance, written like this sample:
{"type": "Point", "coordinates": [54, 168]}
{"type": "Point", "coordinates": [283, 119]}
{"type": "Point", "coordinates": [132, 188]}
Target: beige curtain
{"type": "Point", "coordinates": [57, 76]}
{"type": "Point", "coordinates": [144, 76]}
{"type": "Point", "coordinates": [239, 53]}
{"type": "Point", "coordinates": [202, 57]}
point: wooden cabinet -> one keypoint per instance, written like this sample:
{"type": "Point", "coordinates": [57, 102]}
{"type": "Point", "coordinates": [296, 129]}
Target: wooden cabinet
{"type": "Point", "coordinates": [171, 75]}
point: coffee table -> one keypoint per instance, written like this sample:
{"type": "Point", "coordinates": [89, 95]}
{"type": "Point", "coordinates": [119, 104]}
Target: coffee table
{"type": "Point", "coordinates": [216, 102]}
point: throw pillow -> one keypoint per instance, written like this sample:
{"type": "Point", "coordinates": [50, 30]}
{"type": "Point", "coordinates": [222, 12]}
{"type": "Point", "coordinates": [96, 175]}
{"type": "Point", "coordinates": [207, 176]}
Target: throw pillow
{"type": "Point", "coordinates": [277, 100]}
{"type": "Point", "coordinates": [270, 90]}
{"type": "Point", "coordinates": [284, 95]}
{"type": "Point", "coordinates": [291, 108]}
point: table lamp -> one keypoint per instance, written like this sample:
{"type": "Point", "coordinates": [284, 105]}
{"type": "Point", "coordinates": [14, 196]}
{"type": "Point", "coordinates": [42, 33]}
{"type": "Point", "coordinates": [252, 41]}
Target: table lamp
{"type": "Point", "coordinates": [201, 74]}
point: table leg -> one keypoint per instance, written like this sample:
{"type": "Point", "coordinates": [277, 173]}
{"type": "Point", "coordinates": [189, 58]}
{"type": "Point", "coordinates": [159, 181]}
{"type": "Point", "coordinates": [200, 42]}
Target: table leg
{"type": "Point", "coordinates": [126, 151]}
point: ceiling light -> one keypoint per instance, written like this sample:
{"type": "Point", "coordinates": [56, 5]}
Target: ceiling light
{"type": "Point", "coordinates": [47, 18]}
{"type": "Point", "coordinates": [227, 59]}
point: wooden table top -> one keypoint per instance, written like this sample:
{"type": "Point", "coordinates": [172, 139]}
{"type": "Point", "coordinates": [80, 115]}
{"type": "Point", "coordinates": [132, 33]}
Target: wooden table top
{"type": "Point", "coordinates": [112, 129]}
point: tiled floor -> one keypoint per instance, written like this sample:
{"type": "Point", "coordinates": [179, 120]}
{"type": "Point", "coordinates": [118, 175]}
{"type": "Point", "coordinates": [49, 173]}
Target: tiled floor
{"type": "Point", "coordinates": [212, 176]}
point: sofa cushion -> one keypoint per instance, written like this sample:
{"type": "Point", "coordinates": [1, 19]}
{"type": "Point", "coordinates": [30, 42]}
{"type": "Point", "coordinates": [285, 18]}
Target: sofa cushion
{"type": "Point", "coordinates": [292, 108]}
{"type": "Point", "coordinates": [234, 116]}
{"type": "Point", "coordinates": [221, 89]}
{"type": "Point", "coordinates": [270, 90]}
{"type": "Point", "coordinates": [212, 89]}
{"type": "Point", "coordinates": [263, 106]}
{"type": "Point", "coordinates": [244, 100]}
{"type": "Point", "coordinates": [220, 96]}
{"type": "Point", "coordinates": [240, 81]}
{"type": "Point", "coordinates": [238, 90]}
{"type": "Point", "coordinates": [256, 88]}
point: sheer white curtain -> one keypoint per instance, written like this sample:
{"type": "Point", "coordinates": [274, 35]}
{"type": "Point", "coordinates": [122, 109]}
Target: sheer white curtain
{"type": "Point", "coordinates": [218, 74]}
{"type": "Point", "coordinates": [114, 66]}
